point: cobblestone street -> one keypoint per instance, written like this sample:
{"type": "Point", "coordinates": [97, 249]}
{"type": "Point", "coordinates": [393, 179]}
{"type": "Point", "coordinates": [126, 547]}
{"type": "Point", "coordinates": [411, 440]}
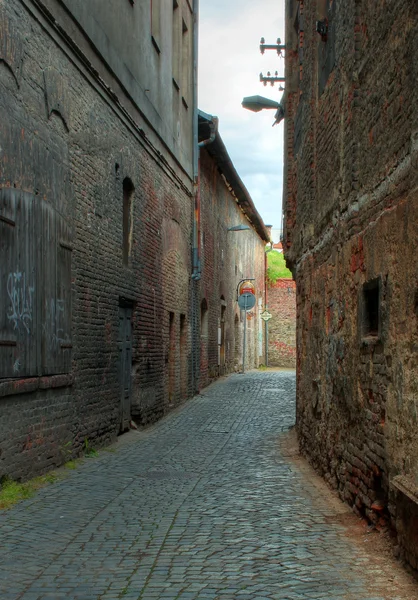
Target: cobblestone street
{"type": "Point", "coordinates": [203, 505]}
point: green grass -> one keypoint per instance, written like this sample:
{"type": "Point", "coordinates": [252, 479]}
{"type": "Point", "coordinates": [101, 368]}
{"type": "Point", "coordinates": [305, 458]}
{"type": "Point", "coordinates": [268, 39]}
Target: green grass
{"type": "Point", "coordinates": [12, 492]}
{"type": "Point", "coordinates": [72, 464]}
{"type": "Point", "coordinates": [276, 267]}
{"type": "Point", "coordinates": [89, 451]}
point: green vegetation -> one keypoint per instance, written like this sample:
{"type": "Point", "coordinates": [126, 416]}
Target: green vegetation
{"type": "Point", "coordinates": [72, 464]}
{"type": "Point", "coordinates": [276, 267]}
{"type": "Point", "coordinates": [12, 492]}
{"type": "Point", "coordinates": [89, 451]}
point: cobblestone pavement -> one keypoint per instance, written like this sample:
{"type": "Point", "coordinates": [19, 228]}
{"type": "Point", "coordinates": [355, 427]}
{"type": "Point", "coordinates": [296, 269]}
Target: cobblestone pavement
{"type": "Point", "coordinates": [203, 505]}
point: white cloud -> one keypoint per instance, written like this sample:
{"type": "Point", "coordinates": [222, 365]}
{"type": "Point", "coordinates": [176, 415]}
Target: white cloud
{"type": "Point", "coordinates": [229, 66]}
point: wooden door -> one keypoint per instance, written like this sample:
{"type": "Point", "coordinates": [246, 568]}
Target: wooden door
{"type": "Point", "coordinates": [125, 365]}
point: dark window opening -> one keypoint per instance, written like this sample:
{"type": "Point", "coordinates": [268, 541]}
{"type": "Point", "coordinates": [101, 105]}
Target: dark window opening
{"type": "Point", "coordinates": [371, 315]}
{"type": "Point", "coordinates": [326, 47]}
{"type": "Point", "coordinates": [128, 191]}
{"type": "Point", "coordinates": [204, 319]}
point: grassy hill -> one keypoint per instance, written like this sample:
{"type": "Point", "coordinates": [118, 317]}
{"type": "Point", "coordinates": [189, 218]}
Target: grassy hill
{"type": "Point", "coordinates": [276, 267]}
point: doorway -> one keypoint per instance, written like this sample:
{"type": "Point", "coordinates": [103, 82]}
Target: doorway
{"type": "Point", "coordinates": [125, 363]}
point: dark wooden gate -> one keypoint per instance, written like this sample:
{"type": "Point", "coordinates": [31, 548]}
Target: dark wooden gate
{"type": "Point", "coordinates": [125, 364]}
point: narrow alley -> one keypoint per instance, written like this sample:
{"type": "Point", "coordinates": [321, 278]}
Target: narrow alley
{"type": "Point", "coordinates": [206, 504]}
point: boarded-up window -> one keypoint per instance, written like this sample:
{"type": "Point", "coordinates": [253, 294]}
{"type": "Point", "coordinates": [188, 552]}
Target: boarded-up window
{"type": "Point", "coordinates": [35, 287]}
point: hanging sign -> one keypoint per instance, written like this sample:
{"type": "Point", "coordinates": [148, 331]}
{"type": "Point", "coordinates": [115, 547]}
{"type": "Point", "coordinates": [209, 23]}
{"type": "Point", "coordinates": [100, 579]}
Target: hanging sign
{"type": "Point", "coordinates": [246, 301]}
{"type": "Point", "coordinates": [246, 287]}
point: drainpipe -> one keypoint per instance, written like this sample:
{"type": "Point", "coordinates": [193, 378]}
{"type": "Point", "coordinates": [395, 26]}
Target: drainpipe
{"type": "Point", "coordinates": [196, 219]}
{"type": "Point", "coordinates": [195, 366]}
{"type": "Point", "coordinates": [266, 323]}
{"type": "Point", "coordinates": [196, 224]}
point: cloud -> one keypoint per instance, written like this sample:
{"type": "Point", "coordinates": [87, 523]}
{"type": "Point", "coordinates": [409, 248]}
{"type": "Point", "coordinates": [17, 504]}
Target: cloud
{"type": "Point", "coordinates": [229, 66]}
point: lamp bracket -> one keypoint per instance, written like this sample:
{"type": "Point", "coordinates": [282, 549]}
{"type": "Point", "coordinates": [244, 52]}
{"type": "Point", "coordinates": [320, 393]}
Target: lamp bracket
{"type": "Point", "coordinates": [278, 46]}
{"type": "Point", "coordinates": [272, 79]}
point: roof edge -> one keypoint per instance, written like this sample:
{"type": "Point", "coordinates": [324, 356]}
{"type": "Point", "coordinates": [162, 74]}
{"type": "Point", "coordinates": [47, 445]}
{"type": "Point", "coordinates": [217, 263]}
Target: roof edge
{"type": "Point", "coordinates": [219, 153]}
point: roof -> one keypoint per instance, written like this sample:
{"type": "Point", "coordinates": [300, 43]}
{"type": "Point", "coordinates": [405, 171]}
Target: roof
{"type": "Point", "coordinates": [210, 138]}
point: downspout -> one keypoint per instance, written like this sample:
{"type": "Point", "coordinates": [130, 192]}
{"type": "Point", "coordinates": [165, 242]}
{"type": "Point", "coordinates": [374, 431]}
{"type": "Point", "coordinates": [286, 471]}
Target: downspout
{"type": "Point", "coordinates": [196, 232]}
{"type": "Point", "coordinates": [196, 218]}
{"type": "Point", "coordinates": [195, 366]}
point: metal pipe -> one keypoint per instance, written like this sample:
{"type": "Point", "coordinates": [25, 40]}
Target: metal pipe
{"type": "Point", "coordinates": [195, 366]}
{"type": "Point", "coordinates": [213, 126]}
{"type": "Point", "coordinates": [266, 330]}
{"type": "Point", "coordinates": [245, 338]}
{"type": "Point", "coordinates": [196, 217]}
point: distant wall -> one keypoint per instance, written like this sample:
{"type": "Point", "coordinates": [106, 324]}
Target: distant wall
{"type": "Point", "coordinates": [282, 325]}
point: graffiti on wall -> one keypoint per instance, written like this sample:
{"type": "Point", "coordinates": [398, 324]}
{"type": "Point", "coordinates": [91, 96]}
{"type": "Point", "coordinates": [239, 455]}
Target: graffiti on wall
{"type": "Point", "coordinates": [20, 311]}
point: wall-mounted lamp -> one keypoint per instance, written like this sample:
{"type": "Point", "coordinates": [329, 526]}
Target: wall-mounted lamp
{"type": "Point", "coordinates": [257, 103]}
{"type": "Point", "coordinates": [238, 228]}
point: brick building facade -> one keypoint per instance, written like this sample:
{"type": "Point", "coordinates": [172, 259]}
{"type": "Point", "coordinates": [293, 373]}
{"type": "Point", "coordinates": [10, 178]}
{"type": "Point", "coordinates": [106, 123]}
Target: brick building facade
{"type": "Point", "coordinates": [100, 313]}
{"type": "Point", "coordinates": [282, 325]}
{"type": "Point", "coordinates": [350, 238]}
{"type": "Point", "coordinates": [227, 257]}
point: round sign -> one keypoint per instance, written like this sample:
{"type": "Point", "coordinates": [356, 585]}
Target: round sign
{"type": "Point", "coordinates": [246, 287]}
{"type": "Point", "coordinates": [246, 301]}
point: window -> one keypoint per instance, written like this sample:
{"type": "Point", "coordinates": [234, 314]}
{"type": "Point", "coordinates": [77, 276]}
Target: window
{"type": "Point", "coordinates": [176, 49]}
{"type": "Point", "coordinates": [35, 287]}
{"type": "Point", "coordinates": [204, 319]}
{"type": "Point", "coordinates": [186, 62]}
{"type": "Point", "coordinates": [326, 47]}
{"type": "Point", "coordinates": [371, 308]}
{"type": "Point", "coordinates": [156, 24]}
{"type": "Point", "coordinates": [128, 192]}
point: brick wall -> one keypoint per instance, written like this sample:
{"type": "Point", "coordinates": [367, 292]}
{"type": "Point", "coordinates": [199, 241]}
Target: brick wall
{"type": "Point", "coordinates": [120, 207]}
{"type": "Point", "coordinates": [74, 159]}
{"type": "Point", "coordinates": [350, 205]}
{"type": "Point", "coordinates": [227, 257]}
{"type": "Point", "coordinates": [282, 325]}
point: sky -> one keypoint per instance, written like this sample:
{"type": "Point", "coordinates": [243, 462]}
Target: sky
{"type": "Point", "coordinates": [230, 63]}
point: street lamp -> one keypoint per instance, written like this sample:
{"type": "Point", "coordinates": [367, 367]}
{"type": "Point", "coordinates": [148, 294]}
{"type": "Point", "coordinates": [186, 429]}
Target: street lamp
{"type": "Point", "coordinates": [257, 103]}
{"type": "Point", "coordinates": [238, 228]}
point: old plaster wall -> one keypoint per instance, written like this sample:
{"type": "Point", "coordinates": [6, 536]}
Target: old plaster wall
{"type": "Point", "coordinates": [351, 215]}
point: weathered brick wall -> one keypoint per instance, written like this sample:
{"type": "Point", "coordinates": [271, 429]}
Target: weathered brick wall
{"type": "Point", "coordinates": [70, 143]}
{"type": "Point", "coordinates": [282, 325]}
{"type": "Point", "coordinates": [227, 257]}
{"type": "Point", "coordinates": [350, 206]}
{"type": "Point", "coordinates": [74, 159]}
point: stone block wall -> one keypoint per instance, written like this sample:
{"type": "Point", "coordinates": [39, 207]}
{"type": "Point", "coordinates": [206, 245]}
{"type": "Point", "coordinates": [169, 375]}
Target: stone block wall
{"type": "Point", "coordinates": [282, 325]}
{"type": "Point", "coordinates": [350, 212]}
